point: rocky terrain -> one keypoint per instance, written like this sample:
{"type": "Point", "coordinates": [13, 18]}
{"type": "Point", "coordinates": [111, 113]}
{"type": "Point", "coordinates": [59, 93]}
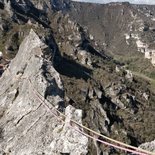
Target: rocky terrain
{"type": "Point", "coordinates": [87, 61]}
{"type": "Point", "coordinates": [22, 112]}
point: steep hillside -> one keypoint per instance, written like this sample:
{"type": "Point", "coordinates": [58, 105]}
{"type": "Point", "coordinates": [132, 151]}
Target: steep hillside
{"type": "Point", "coordinates": [124, 31]}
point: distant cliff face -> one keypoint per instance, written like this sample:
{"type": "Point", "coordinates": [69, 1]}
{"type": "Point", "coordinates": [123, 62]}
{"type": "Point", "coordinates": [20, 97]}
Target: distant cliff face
{"type": "Point", "coordinates": [121, 29]}
{"type": "Point", "coordinates": [86, 56]}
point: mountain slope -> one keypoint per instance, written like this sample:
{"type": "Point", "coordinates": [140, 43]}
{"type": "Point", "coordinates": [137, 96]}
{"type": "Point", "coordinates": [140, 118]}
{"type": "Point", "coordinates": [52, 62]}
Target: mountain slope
{"type": "Point", "coordinates": [124, 31]}
{"type": "Point", "coordinates": [77, 69]}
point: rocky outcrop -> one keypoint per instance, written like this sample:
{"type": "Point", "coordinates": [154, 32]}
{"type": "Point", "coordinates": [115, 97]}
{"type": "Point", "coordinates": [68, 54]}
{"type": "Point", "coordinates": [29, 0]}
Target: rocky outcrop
{"type": "Point", "coordinates": [60, 4]}
{"type": "Point", "coordinates": [150, 146]}
{"type": "Point", "coordinates": [66, 138]}
{"type": "Point", "coordinates": [27, 126]}
{"type": "Point", "coordinates": [141, 46]}
{"type": "Point", "coordinates": [114, 102]}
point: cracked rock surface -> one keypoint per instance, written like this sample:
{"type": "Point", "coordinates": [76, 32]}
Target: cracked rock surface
{"type": "Point", "coordinates": [26, 125]}
{"type": "Point", "coordinates": [148, 146]}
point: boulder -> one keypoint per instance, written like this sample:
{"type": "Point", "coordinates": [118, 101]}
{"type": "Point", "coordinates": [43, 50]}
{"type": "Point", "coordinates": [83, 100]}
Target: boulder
{"type": "Point", "coordinates": [78, 143]}
{"type": "Point", "coordinates": [153, 59]}
{"type": "Point", "coordinates": [84, 57]}
{"type": "Point", "coordinates": [1, 54]}
{"type": "Point", "coordinates": [129, 75]}
{"type": "Point", "coordinates": [150, 146]}
{"type": "Point", "coordinates": [98, 93]}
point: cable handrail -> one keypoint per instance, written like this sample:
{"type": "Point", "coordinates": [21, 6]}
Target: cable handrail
{"type": "Point", "coordinates": [123, 146]}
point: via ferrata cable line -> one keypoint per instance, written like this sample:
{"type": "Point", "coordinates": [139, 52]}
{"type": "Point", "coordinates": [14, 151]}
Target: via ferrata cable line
{"type": "Point", "coordinates": [118, 144]}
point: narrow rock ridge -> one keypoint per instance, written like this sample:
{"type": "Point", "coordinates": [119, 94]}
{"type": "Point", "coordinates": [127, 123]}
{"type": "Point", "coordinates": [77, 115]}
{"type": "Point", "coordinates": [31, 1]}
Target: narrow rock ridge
{"type": "Point", "coordinates": [26, 124]}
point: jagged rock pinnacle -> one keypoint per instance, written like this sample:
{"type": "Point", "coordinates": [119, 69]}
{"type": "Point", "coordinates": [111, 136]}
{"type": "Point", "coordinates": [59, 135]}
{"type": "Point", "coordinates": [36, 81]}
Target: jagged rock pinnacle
{"type": "Point", "coordinates": [26, 125]}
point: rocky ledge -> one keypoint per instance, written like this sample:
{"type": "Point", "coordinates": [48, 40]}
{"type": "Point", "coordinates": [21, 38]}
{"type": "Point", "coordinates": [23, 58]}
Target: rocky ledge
{"type": "Point", "coordinates": [27, 126]}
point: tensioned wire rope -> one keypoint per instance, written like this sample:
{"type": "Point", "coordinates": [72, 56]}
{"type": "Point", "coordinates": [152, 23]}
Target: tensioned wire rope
{"type": "Point", "coordinates": [120, 145]}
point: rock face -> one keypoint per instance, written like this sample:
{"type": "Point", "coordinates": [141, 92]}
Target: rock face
{"type": "Point", "coordinates": [77, 143]}
{"type": "Point", "coordinates": [150, 146]}
{"type": "Point", "coordinates": [26, 125]}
